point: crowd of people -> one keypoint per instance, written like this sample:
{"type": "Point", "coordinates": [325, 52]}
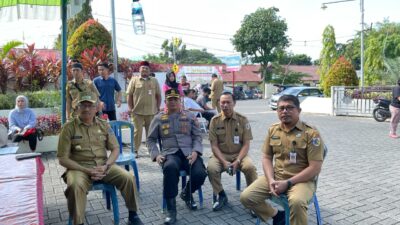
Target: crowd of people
{"type": "Point", "coordinates": [174, 141]}
{"type": "Point", "coordinates": [292, 151]}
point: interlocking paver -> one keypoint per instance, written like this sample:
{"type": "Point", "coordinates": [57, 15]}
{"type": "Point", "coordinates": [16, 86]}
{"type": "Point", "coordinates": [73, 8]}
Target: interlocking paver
{"type": "Point", "coordinates": [358, 183]}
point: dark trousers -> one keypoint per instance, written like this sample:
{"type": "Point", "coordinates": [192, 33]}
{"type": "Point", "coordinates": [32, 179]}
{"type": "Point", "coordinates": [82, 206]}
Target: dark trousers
{"type": "Point", "coordinates": [177, 162]}
{"type": "Point", "coordinates": [32, 138]}
{"type": "Point", "coordinates": [111, 115]}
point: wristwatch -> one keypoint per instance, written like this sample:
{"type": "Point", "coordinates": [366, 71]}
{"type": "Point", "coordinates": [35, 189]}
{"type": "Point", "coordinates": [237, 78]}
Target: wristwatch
{"type": "Point", "coordinates": [289, 184]}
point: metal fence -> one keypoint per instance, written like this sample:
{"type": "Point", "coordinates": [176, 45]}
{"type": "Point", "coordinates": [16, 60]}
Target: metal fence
{"type": "Point", "coordinates": [352, 101]}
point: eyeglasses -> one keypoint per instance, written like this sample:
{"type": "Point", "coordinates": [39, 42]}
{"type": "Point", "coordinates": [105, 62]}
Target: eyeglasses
{"type": "Point", "coordinates": [288, 108]}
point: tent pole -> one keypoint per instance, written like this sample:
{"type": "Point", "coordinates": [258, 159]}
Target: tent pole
{"type": "Point", "coordinates": [64, 59]}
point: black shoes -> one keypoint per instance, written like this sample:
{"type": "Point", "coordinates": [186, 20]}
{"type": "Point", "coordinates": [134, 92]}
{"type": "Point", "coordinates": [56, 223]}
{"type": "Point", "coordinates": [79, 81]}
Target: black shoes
{"type": "Point", "coordinates": [188, 198]}
{"type": "Point", "coordinates": [171, 211]}
{"type": "Point", "coordinates": [134, 219]}
{"type": "Point", "coordinates": [279, 218]}
{"type": "Point", "coordinates": [222, 200]}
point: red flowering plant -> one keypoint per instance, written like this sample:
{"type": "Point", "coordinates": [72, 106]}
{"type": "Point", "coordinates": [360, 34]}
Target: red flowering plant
{"type": "Point", "coordinates": [49, 124]}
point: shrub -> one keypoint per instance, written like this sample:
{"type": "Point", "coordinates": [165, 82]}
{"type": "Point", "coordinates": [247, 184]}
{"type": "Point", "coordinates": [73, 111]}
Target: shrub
{"type": "Point", "coordinates": [49, 124]}
{"type": "Point", "coordinates": [342, 73]}
{"type": "Point", "coordinates": [90, 34]}
{"type": "Point", "coordinates": [38, 99]}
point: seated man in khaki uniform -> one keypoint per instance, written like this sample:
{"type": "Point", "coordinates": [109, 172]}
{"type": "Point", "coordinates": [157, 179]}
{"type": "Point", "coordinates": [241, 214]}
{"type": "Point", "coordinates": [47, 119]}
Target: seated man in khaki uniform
{"type": "Point", "coordinates": [298, 152]}
{"type": "Point", "coordinates": [82, 151]}
{"type": "Point", "coordinates": [230, 135]}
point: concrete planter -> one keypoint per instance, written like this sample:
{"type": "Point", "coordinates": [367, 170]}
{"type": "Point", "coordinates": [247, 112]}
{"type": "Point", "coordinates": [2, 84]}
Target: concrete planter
{"type": "Point", "coordinates": [48, 144]}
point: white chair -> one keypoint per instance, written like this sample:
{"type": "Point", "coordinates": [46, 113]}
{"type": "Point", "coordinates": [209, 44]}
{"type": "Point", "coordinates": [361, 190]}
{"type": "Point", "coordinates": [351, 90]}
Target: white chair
{"type": "Point", "coordinates": [203, 123]}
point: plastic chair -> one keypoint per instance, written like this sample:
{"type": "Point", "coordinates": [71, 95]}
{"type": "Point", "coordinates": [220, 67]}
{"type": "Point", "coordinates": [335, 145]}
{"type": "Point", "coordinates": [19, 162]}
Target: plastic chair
{"type": "Point", "coordinates": [108, 192]}
{"type": "Point", "coordinates": [284, 202]}
{"type": "Point", "coordinates": [203, 123]}
{"type": "Point", "coordinates": [183, 176]}
{"type": "Point", "coordinates": [126, 159]}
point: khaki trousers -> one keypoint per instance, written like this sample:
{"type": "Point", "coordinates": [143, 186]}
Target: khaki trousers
{"type": "Point", "coordinates": [299, 196]}
{"type": "Point", "coordinates": [215, 168]}
{"type": "Point", "coordinates": [79, 184]}
{"type": "Point", "coordinates": [138, 122]}
{"type": "Point", "coordinates": [215, 104]}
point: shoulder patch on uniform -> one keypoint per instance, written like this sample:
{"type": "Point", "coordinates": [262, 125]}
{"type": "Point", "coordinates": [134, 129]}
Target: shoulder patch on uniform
{"type": "Point", "coordinates": [316, 141]}
{"type": "Point", "coordinates": [247, 126]}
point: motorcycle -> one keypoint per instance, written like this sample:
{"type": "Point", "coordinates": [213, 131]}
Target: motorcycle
{"type": "Point", "coordinates": [381, 111]}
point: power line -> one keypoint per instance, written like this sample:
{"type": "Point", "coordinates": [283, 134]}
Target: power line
{"type": "Point", "coordinates": [172, 27]}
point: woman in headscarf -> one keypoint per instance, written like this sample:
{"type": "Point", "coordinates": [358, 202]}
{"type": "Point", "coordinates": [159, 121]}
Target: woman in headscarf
{"type": "Point", "coordinates": [22, 122]}
{"type": "Point", "coordinates": [170, 83]}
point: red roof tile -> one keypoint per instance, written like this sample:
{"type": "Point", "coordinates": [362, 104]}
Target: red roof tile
{"type": "Point", "coordinates": [247, 73]}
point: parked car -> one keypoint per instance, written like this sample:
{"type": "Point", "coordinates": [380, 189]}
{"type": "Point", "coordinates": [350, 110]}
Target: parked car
{"type": "Point", "coordinates": [238, 92]}
{"type": "Point", "coordinates": [300, 92]}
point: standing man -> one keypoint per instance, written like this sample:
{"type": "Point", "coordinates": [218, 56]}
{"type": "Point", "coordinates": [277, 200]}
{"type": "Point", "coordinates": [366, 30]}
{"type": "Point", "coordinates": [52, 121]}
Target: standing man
{"type": "Point", "coordinates": [180, 140]}
{"type": "Point", "coordinates": [230, 135]}
{"type": "Point", "coordinates": [185, 85]}
{"type": "Point", "coordinates": [217, 87]}
{"type": "Point", "coordinates": [75, 87]}
{"type": "Point", "coordinates": [106, 85]}
{"type": "Point", "coordinates": [82, 151]}
{"type": "Point", "coordinates": [298, 152]}
{"type": "Point", "coordinates": [395, 111]}
{"type": "Point", "coordinates": [144, 101]}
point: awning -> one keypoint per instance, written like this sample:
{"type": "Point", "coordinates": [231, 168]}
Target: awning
{"type": "Point", "coordinates": [13, 10]}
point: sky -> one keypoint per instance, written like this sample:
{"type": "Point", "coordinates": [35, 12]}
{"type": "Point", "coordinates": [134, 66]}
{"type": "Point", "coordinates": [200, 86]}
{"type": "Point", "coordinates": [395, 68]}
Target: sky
{"type": "Point", "coordinates": [211, 24]}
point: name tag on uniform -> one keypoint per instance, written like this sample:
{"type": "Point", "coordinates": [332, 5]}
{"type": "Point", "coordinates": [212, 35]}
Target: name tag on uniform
{"type": "Point", "coordinates": [236, 140]}
{"type": "Point", "coordinates": [149, 92]}
{"type": "Point", "coordinates": [292, 157]}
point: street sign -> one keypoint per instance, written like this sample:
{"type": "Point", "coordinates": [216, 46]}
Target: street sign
{"type": "Point", "coordinates": [232, 62]}
{"type": "Point", "coordinates": [175, 68]}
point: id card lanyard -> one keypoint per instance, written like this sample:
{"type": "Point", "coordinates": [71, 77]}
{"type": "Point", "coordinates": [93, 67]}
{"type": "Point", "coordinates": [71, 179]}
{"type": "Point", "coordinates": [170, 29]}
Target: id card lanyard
{"type": "Point", "coordinates": [293, 154]}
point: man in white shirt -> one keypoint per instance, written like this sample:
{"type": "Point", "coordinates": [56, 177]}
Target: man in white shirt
{"type": "Point", "coordinates": [194, 107]}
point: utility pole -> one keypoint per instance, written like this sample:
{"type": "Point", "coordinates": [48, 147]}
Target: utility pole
{"type": "Point", "coordinates": [114, 41]}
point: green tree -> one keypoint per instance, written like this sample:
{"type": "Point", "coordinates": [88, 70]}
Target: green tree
{"type": "Point", "coordinates": [342, 73]}
{"type": "Point", "coordinates": [328, 53]}
{"type": "Point", "coordinates": [90, 34]}
{"type": "Point", "coordinates": [182, 55]}
{"type": "Point", "coordinates": [84, 15]}
{"type": "Point", "coordinates": [261, 35]}
{"type": "Point", "coordinates": [294, 59]}
{"type": "Point", "coordinates": [195, 56]}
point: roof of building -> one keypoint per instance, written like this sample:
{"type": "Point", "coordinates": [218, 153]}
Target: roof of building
{"type": "Point", "coordinates": [310, 70]}
{"type": "Point", "coordinates": [247, 73]}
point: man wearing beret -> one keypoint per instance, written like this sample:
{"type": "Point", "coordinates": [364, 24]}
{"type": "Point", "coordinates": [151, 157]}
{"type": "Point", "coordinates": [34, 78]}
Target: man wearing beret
{"type": "Point", "coordinates": [82, 151]}
{"type": "Point", "coordinates": [180, 140]}
{"type": "Point", "coordinates": [75, 87]}
{"type": "Point", "coordinates": [144, 101]}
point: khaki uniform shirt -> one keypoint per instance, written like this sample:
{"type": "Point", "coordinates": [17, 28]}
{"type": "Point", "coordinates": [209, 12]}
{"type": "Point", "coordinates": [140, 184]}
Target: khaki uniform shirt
{"type": "Point", "coordinates": [144, 93]}
{"type": "Point", "coordinates": [85, 144]}
{"type": "Point", "coordinates": [73, 89]}
{"type": "Point", "coordinates": [303, 139]}
{"type": "Point", "coordinates": [178, 131]}
{"type": "Point", "coordinates": [217, 87]}
{"type": "Point", "coordinates": [223, 130]}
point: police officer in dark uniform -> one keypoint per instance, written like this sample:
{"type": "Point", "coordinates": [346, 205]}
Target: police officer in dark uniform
{"type": "Point", "coordinates": [180, 137]}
